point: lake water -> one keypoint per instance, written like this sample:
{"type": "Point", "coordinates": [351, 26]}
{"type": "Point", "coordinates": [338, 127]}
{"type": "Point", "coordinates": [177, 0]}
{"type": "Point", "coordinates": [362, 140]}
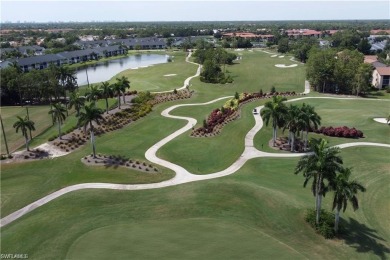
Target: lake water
{"type": "Point", "coordinates": [104, 71]}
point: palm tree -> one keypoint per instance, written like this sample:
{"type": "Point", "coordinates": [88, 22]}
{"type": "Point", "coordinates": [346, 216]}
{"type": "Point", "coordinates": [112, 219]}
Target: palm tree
{"type": "Point", "coordinates": [76, 101]}
{"type": "Point", "coordinates": [321, 164]}
{"type": "Point", "coordinates": [344, 191]}
{"type": "Point", "coordinates": [274, 110]}
{"type": "Point", "coordinates": [124, 84]}
{"type": "Point", "coordinates": [87, 118]}
{"type": "Point", "coordinates": [292, 123]}
{"type": "Point", "coordinates": [58, 112]}
{"type": "Point", "coordinates": [107, 92]}
{"type": "Point", "coordinates": [93, 93]}
{"type": "Point", "coordinates": [24, 125]}
{"type": "Point", "coordinates": [309, 119]}
{"type": "Point", "coordinates": [117, 91]}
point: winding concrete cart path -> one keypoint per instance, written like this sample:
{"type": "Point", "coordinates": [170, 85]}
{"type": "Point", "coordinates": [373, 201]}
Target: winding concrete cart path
{"type": "Point", "coordinates": [182, 175]}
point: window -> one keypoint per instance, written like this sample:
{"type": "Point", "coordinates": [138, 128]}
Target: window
{"type": "Point", "coordinates": [386, 81]}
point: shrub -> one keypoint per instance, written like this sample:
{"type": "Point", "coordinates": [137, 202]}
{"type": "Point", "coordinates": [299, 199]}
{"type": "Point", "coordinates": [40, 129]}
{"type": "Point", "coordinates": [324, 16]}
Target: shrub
{"type": "Point", "coordinates": [326, 223]}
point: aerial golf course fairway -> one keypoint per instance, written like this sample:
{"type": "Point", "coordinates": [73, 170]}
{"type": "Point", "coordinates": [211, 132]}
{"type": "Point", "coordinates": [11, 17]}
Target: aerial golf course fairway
{"type": "Point", "coordinates": [255, 213]}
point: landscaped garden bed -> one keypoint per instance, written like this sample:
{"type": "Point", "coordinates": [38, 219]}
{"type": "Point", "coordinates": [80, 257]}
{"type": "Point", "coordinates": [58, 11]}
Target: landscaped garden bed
{"type": "Point", "coordinates": [171, 96]}
{"type": "Point", "coordinates": [230, 111]}
{"type": "Point", "coordinates": [141, 106]}
{"type": "Point", "coordinates": [340, 131]}
{"type": "Point", "coordinates": [119, 161]}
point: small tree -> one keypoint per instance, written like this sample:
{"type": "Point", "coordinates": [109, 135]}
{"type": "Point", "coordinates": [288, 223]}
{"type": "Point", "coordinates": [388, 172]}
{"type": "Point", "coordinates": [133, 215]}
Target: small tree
{"type": "Point", "coordinates": [237, 96]}
{"type": "Point", "coordinates": [91, 115]}
{"type": "Point", "coordinates": [77, 101]}
{"type": "Point", "coordinates": [24, 125]}
{"type": "Point", "coordinates": [261, 92]}
{"type": "Point", "coordinates": [344, 191]}
{"type": "Point", "coordinates": [107, 92]}
{"type": "Point", "coordinates": [58, 112]}
{"type": "Point", "coordinates": [273, 90]}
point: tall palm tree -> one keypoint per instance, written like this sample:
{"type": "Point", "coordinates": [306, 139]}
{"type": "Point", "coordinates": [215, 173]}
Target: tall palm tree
{"type": "Point", "coordinates": [24, 124]}
{"type": "Point", "coordinates": [117, 91]}
{"type": "Point", "coordinates": [292, 123]}
{"type": "Point", "coordinates": [87, 118]}
{"type": "Point", "coordinates": [274, 110]}
{"type": "Point", "coordinates": [344, 191]}
{"type": "Point", "coordinates": [76, 101]}
{"type": "Point", "coordinates": [320, 165]}
{"type": "Point", "coordinates": [93, 93]}
{"type": "Point", "coordinates": [107, 92]}
{"type": "Point", "coordinates": [58, 112]}
{"type": "Point", "coordinates": [309, 119]}
{"type": "Point", "coordinates": [124, 84]}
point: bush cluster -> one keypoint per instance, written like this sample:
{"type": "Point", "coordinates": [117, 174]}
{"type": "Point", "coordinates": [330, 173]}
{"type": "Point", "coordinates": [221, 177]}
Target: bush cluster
{"type": "Point", "coordinates": [326, 223]}
{"type": "Point", "coordinates": [171, 96]}
{"type": "Point", "coordinates": [341, 131]}
{"type": "Point", "coordinates": [229, 111]}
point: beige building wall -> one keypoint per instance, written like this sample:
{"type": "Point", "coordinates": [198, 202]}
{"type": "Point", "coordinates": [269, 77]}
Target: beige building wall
{"type": "Point", "coordinates": [376, 80]}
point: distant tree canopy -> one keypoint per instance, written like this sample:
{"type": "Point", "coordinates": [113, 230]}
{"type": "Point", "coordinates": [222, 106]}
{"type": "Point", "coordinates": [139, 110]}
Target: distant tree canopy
{"type": "Point", "coordinates": [338, 72]}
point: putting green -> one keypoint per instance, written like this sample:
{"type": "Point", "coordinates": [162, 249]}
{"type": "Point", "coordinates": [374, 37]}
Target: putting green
{"type": "Point", "coordinates": [179, 239]}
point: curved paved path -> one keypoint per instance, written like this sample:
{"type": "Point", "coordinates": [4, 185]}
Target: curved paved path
{"type": "Point", "coordinates": [187, 80]}
{"type": "Point", "coordinates": [182, 175]}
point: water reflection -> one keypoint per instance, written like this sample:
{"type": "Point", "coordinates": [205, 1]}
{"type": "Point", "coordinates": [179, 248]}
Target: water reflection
{"type": "Point", "coordinates": [103, 71]}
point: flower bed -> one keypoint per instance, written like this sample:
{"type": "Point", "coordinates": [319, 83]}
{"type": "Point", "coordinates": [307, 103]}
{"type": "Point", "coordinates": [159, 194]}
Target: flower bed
{"type": "Point", "coordinates": [171, 96]}
{"type": "Point", "coordinates": [229, 112]}
{"type": "Point", "coordinates": [341, 131]}
{"type": "Point", "coordinates": [119, 161]}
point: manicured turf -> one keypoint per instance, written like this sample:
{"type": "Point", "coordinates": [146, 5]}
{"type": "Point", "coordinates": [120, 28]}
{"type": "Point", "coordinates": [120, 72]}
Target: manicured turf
{"type": "Point", "coordinates": [43, 124]}
{"type": "Point", "coordinates": [264, 203]}
{"type": "Point", "coordinates": [38, 114]}
{"type": "Point", "coordinates": [351, 113]}
{"type": "Point", "coordinates": [179, 239]}
{"type": "Point", "coordinates": [258, 212]}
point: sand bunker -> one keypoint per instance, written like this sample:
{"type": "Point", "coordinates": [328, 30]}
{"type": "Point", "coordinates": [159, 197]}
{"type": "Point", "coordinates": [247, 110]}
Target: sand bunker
{"type": "Point", "coordinates": [273, 56]}
{"type": "Point", "coordinates": [239, 49]}
{"type": "Point", "coordinates": [170, 75]}
{"type": "Point", "coordinates": [381, 120]}
{"type": "Point", "coordinates": [285, 66]}
{"type": "Point", "coordinates": [281, 56]}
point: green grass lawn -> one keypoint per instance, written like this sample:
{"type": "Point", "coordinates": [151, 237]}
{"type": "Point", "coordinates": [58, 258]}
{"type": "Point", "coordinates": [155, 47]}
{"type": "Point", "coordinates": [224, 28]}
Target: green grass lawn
{"type": "Point", "coordinates": [38, 114]}
{"type": "Point", "coordinates": [351, 113]}
{"type": "Point", "coordinates": [258, 212]}
{"type": "Point", "coordinates": [43, 124]}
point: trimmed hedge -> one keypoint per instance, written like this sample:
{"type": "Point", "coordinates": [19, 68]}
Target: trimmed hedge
{"type": "Point", "coordinates": [340, 131]}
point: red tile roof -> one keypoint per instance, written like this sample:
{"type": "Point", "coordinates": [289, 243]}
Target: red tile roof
{"type": "Point", "coordinates": [377, 31]}
{"type": "Point", "coordinates": [370, 58]}
{"type": "Point", "coordinates": [383, 71]}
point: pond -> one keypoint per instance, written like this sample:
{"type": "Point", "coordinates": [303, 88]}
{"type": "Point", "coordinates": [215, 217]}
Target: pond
{"type": "Point", "coordinates": [103, 71]}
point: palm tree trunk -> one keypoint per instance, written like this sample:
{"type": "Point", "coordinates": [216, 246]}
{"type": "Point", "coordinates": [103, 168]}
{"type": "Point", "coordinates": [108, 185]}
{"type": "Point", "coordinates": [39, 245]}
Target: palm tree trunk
{"type": "Point", "coordinates": [336, 221]}
{"type": "Point", "coordinates": [318, 195]}
{"type": "Point", "coordinates": [274, 137]}
{"type": "Point", "coordinates": [119, 101]}
{"type": "Point", "coordinates": [107, 105]}
{"type": "Point", "coordinates": [306, 137]}
{"type": "Point", "coordinates": [123, 95]}
{"type": "Point", "coordinates": [292, 141]}
{"type": "Point", "coordinates": [92, 140]}
{"type": "Point", "coordinates": [59, 129]}
{"type": "Point", "coordinates": [26, 138]}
